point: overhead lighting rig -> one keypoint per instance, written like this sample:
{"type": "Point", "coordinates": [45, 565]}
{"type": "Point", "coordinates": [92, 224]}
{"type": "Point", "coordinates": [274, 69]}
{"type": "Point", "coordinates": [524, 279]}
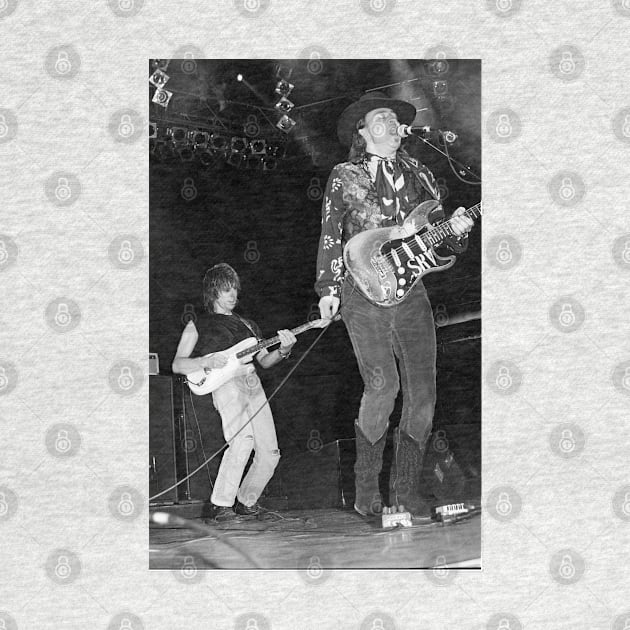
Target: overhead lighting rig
{"type": "Point", "coordinates": [240, 143]}
{"type": "Point", "coordinates": [284, 105]}
{"type": "Point", "coordinates": [159, 79]}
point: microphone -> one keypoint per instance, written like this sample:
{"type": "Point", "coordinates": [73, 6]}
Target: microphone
{"type": "Point", "coordinates": [404, 131]}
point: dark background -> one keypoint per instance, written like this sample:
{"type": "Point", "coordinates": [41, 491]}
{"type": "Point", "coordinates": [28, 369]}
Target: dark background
{"type": "Point", "coordinates": [266, 224]}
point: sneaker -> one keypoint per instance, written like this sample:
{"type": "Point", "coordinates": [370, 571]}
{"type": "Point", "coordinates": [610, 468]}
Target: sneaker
{"type": "Point", "coordinates": [243, 510]}
{"type": "Point", "coordinates": [221, 513]}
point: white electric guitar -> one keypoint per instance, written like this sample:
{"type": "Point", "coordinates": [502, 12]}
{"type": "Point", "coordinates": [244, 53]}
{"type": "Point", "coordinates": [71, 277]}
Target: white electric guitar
{"type": "Point", "coordinates": [239, 358]}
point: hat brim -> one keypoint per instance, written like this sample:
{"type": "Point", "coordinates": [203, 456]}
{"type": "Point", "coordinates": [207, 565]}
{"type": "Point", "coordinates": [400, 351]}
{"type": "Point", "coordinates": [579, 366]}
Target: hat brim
{"type": "Point", "coordinates": [346, 124]}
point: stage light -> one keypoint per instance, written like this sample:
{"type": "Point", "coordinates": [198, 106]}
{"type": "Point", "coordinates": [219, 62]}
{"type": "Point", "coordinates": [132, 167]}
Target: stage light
{"type": "Point", "coordinates": [284, 105]}
{"type": "Point", "coordinates": [270, 163]}
{"type": "Point", "coordinates": [286, 124]}
{"type": "Point", "coordinates": [159, 79]}
{"type": "Point", "coordinates": [440, 88]}
{"type": "Point", "coordinates": [152, 130]}
{"type": "Point", "coordinates": [236, 159]}
{"type": "Point", "coordinates": [239, 77]}
{"type": "Point", "coordinates": [162, 97]}
{"type": "Point", "coordinates": [218, 142]}
{"type": "Point", "coordinates": [199, 139]}
{"type": "Point", "coordinates": [178, 134]}
{"type": "Point", "coordinates": [258, 146]}
{"type": "Point", "coordinates": [439, 66]}
{"type": "Point", "coordinates": [238, 144]}
{"type": "Point", "coordinates": [276, 151]}
{"type": "Point", "coordinates": [284, 88]}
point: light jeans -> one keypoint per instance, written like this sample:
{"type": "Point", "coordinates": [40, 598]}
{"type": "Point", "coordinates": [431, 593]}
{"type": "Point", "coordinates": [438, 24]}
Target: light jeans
{"type": "Point", "coordinates": [237, 401]}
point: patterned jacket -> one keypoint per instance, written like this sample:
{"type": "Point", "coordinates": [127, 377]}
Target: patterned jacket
{"type": "Point", "coordinates": [350, 205]}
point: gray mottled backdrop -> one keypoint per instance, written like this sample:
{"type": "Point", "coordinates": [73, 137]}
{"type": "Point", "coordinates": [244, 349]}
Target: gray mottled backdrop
{"type": "Point", "coordinates": [74, 318]}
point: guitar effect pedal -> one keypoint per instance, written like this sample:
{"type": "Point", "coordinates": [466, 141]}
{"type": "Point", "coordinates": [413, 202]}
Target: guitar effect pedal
{"type": "Point", "coordinates": [453, 512]}
{"type": "Point", "coordinates": [392, 517]}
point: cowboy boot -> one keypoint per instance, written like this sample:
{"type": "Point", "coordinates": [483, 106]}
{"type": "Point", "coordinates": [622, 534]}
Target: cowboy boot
{"type": "Point", "coordinates": [367, 467]}
{"type": "Point", "coordinates": [404, 480]}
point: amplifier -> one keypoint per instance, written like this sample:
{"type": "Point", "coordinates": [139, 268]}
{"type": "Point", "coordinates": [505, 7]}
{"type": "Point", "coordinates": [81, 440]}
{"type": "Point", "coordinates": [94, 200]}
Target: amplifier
{"type": "Point", "coordinates": [154, 363]}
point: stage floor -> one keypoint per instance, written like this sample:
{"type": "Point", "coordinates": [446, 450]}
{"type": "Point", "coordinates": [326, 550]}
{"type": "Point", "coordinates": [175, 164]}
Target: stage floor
{"type": "Point", "coordinates": [314, 540]}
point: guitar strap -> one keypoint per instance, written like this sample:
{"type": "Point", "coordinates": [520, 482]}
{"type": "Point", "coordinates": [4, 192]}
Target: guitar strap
{"type": "Point", "coordinates": [425, 178]}
{"type": "Point", "coordinates": [247, 324]}
{"type": "Point", "coordinates": [423, 175]}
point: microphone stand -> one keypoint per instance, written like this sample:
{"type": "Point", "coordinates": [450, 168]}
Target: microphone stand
{"type": "Point", "coordinates": [452, 161]}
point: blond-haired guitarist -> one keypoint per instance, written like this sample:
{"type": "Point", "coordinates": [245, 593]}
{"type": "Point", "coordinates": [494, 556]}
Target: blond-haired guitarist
{"type": "Point", "coordinates": [239, 399]}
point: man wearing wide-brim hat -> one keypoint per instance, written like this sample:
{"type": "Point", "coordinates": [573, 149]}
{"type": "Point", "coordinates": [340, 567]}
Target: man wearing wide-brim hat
{"type": "Point", "coordinates": [379, 186]}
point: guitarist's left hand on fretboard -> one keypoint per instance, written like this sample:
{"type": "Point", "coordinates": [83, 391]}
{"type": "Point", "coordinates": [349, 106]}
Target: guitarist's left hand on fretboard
{"type": "Point", "coordinates": [287, 340]}
{"type": "Point", "coordinates": [461, 223]}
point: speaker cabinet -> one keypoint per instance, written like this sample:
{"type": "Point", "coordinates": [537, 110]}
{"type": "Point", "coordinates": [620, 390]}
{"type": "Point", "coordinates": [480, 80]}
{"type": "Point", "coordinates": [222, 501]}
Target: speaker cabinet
{"type": "Point", "coordinates": [162, 435]}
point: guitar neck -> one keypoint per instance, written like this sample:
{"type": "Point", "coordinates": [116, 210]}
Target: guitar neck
{"type": "Point", "coordinates": [273, 340]}
{"type": "Point", "coordinates": [437, 234]}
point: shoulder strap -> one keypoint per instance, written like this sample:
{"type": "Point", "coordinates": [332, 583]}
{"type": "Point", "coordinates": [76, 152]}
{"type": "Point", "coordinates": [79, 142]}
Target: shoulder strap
{"type": "Point", "coordinates": [247, 324]}
{"type": "Point", "coordinates": [423, 175]}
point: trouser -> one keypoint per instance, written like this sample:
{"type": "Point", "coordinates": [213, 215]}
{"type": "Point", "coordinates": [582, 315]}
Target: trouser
{"type": "Point", "coordinates": [381, 336]}
{"type": "Point", "coordinates": [237, 401]}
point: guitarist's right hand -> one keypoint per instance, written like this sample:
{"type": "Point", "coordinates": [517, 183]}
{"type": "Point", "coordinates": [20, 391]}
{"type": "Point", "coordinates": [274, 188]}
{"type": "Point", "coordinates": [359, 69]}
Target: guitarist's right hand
{"type": "Point", "coordinates": [328, 306]}
{"type": "Point", "coordinates": [213, 361]}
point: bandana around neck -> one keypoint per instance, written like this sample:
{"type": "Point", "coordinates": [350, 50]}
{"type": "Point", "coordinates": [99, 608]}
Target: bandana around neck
{"type": "Point", "coordinates": [389, 183]}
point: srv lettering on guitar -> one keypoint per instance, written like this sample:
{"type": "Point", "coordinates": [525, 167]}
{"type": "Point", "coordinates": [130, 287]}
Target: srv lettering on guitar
{"type": "Point", "coordinates": [386, 266]}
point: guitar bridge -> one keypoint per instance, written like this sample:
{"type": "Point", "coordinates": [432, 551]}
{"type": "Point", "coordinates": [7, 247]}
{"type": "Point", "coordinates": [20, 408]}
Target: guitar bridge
{"type": "Point", "coordinates": [381, 265]}
{"type": "Point", "coordinates": [198, 383]}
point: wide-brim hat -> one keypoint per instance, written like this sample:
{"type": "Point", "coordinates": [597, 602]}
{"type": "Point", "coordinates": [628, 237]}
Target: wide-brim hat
{"type": "Point", "coordinates": [346, 124]}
